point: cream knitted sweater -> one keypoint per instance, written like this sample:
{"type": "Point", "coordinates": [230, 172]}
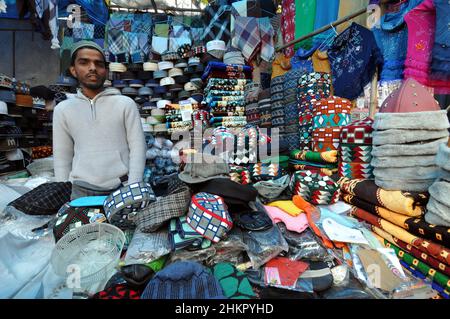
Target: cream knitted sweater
{"type": "Point", "coordinates": [98, 141]}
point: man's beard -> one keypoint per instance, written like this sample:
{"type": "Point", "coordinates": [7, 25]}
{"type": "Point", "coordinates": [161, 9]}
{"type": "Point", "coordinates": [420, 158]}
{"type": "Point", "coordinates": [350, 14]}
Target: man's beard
{"type": "Point", "coordinates": [94, 86]}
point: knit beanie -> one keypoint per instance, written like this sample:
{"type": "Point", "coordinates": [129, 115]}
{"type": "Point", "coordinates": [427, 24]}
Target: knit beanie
{"type": "Point", "coordinates": [183, 280]}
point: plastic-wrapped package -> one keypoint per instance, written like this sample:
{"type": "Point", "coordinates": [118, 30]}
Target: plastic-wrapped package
{"type": "Point", "coordinates": [15, 222]}
{"type": "Point", "coordinates": [197, 255]}
{"type": "Point", "coordinates": [304, 245]}
{"type": "Point", "coordinates": [264, 245]}
{"type": "Point", "coordinates": [229, 250]}
{"type": "Point", "coordinates": [146, 247]}
{"type": "Point", "coordinates": [257, 277]}
{"type": "Point", "coordinates": [350, 288]}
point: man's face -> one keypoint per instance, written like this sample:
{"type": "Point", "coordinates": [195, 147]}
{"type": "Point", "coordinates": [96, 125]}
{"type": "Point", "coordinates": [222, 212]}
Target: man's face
{"type": "Point", "coordinates": [89, 68]}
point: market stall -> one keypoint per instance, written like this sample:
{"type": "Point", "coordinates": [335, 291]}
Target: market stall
{"type": "Point", "coordinates": [293, 149]}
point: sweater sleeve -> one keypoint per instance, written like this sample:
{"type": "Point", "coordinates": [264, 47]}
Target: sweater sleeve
{"type": "Point", "coordinates": [136, 144]}
{"type": "Point", "coordinates": [62, 147]}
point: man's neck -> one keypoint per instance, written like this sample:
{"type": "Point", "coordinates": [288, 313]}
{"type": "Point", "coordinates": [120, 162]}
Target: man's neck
{"type": "Point", "coordinates": [89, 93]}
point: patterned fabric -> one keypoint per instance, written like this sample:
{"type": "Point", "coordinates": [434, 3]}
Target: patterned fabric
{"type": "Point", "coordinates": [165, 208]}
{"type": "Point", "coordinates": [413, 251]}
{"type": "Point", "coordinates": [234, 283]}
{"type": "Point", "coordinates": [218, 28]}
{"type": "Point", "coordinates": [407, 203]}
{"type": "Point", "coordinates": [358, 132]}
{"type": "Point", "coordinates": [436, 276]}
{"type": "Point", "coordinates": [208, 216]}
{"type": "Point", "coordinates": [267, 33]}
{"type": "Point", "coordinates": [122, 205]}
{"type": "Point", "coordinates": [315, 187]}
{"type": "Point", "coordinates": [435, 250]}
{"type": "Point", "coordinates": [353, 56]}
{"type": "Point", "coordinates": [331, 112]}
{"type": "Point", "coordinates": [355, 153]}
{"type": "Point", "coordinates": [326, 139]}
{"type": "Point", "coordinates": [121, 291]}
{"type": "Point", "coordinates": [265, 171]}
{"type": "Point", "coordinates": [240, 174]}
{"type": "Point", "coordinates": [419, 227]}
{"type": "Point", "coordinates": [288, 25]}
{"type": "Point", "coordinates": [46, 199]}
{"type": "Point", "coordinates": [355, 170]}
{"type": "Point", "coordinates": [70, 218]}
{"type": "Point", "coordinates": [182, 236]}
{"type": "Point", "coordinates": [324, 157]}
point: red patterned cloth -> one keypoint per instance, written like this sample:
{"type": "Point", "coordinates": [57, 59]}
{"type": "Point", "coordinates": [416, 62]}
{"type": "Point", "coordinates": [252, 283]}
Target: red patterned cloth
{"type": "Point", "coordinates": [332, 105]}
{"type": "Point", "coordinates": [358, 132]}
{"type": "Point", "coordinates": [288, 25]}
{"type": "Point", "coordinates": [355, 170]}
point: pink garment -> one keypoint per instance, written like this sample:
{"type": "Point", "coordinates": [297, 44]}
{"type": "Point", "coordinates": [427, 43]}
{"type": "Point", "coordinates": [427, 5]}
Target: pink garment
{"type": "Point", "coordinates": [298, 223]}
{"type": "Point", "coordinates": [288, 25]}
{"type": "Point", "coordinates": [421, 23]}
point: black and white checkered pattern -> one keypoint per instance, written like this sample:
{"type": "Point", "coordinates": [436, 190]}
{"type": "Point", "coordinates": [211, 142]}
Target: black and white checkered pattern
{"type": "Point", "coordinates": [46, 199]}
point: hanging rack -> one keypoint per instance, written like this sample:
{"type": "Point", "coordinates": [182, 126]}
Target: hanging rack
{"type": "Point", "coordinates": [324, 28]}
{"type": "Point", "coordinates": [374, 90]}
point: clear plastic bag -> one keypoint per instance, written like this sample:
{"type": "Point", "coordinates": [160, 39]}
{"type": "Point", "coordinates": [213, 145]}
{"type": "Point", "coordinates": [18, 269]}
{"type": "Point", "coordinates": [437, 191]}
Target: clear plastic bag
{"type": "Point", "coordinates": [304, 245]}
{"type": "Point", "coordinates": [146, 247]}
{"type": "Point", "coordinates": [264, 245]}
{"type": "Point", "coordinates": [229, 250]}
{"type": "Point", "coordinates": [197, 255]}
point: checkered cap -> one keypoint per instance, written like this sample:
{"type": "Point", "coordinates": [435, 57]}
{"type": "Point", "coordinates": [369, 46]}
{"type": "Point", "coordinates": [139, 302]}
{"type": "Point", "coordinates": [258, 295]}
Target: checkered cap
{"type": "Point", "coordinates": [208, 215]}
{"type": "Point", "coordinates": [122, 205]}
{"type": "Point", "coordinates": [165, 208]}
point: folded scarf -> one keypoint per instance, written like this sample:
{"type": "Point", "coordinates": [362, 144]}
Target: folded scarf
{"type": "Point", "coordinates": [413, 251]}
{"type": "Point", "coordinates": [402, 173]}
{"type": "Point", "coordinates": [435, 250]}
{"type": "Point", "coordinates": [430, 120]}
{"type": "Point", "coordinates": [410, 185]}
{"type": "Point", "coordinates": [395, 136]}
{"type": "Point", "coordinates": [406, 203]}
{"type": "Point", "coordinates": [403, 161]}
{"type": "Point", "coordinates": [436, 276]}
{"type": "Point", "coordinates": [414, 149]}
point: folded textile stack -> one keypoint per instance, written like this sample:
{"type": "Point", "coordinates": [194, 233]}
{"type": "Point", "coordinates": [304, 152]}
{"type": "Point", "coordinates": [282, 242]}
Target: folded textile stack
{"type": "Point", "coordinates": [224, 93]}
{"type": "Point", "coordinates": [407, 133]}
{"type": "Point", "coordinates": [323, 162]}
{"type": "Point", "coordinates": [438, 208]}
{"type": "Point", "coordinates": [276, 100]}
{"type": "Point", "coordinates": [291, 135]}
{"type": "Point", "coordinates": [264, 108]}
{"type": "Point", "coordinates": [175, 121]}
{"type": "Point", "coordinates": [312, 87]}
{"type": "Point", "coordinates": [356, 150]}
{"type": "Point", "coordinates": [329, 116]}
{"type": "Point", "coordinates": [397, 218]}
{"type": "Point", "coordinates": [251, 94]}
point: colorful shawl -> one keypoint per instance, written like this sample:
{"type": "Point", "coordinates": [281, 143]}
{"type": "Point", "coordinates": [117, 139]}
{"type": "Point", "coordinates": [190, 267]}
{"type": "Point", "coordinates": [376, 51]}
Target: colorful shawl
{"type": "Point", "coordinates": [435, 250]}
{"type": "Point", "coordinates": [406, 203]}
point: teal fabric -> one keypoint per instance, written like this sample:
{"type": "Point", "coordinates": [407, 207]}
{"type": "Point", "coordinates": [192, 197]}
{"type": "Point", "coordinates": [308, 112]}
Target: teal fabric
{"type": "Point", "coordinates": [90, 201]}
{"type": "Point", "coordinates": [234, 283]}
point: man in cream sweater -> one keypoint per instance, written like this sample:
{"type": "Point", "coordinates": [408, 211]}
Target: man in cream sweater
{"type": "Point", "coordinates": [98, 141]}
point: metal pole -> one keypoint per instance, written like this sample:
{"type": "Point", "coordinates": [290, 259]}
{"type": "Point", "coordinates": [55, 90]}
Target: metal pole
{"type": "Point", "coordinates": [323, 29]}
{"type": "Point", "coordinates": [374, 95]}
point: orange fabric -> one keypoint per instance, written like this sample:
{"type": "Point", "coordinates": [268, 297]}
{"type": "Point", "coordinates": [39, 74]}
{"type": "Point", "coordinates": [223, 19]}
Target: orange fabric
{"type": "Point", "coordinates": [320, 62]}
{"type": "Point", "coordinates": [280, 65]}
{"type": "Point", "coordinates": [310, 209]}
